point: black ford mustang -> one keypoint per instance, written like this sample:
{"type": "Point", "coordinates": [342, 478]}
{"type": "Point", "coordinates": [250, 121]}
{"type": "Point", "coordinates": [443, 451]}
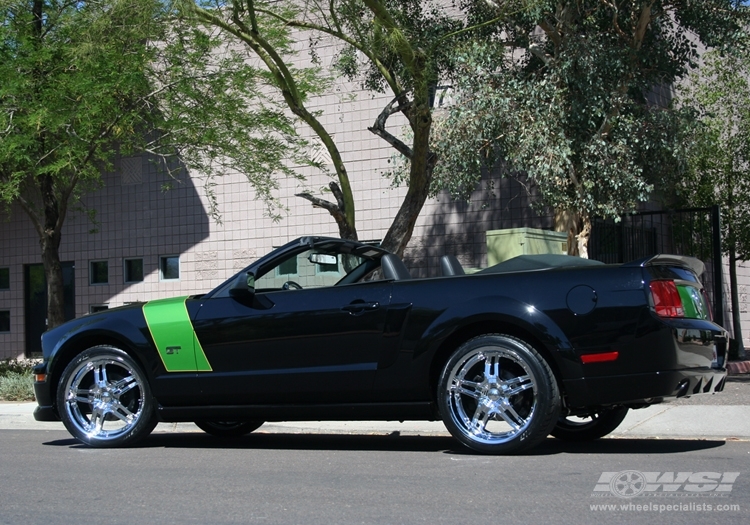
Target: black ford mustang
{"type": "Point", "coordinates": [329, 329]}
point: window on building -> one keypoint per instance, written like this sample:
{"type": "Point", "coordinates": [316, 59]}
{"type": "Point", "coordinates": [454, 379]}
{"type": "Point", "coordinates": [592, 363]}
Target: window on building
{"type": "Point", "coordinates": [133, 270]}
{"type": "Point", "coordinates": [169, 268]}
{"type": "Point", "coordinates": [97, 308]}
{"type": "Point", "coordinates": [4, 278]}
{"type": "Point", "coordinates": [4, 321]}
{"type": "Point", "coordinates": [327, 268]}
{"type": "Point", "coordinates": [288, 267]}
{"type": "Point", "coordinates": [99, 272]}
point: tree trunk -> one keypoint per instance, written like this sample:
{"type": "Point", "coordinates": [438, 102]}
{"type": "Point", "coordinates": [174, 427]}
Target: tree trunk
{"type": "Point", "coordinates": [54, 276]}
{"type": "Point", "coordinates": [736, 318]}
{"type": "Point", "coordinates": [420, 175]}
{"type": "Point", "coordinates": [50, 234]}
{"type": "Point", "coordinates": [49, 230]}
{"type": "Point", "coordinates": [402, 227]}
{"type": "Point", "coordinates": [583, 236]}
{"type": "Point", "coordinates": [578, 227]}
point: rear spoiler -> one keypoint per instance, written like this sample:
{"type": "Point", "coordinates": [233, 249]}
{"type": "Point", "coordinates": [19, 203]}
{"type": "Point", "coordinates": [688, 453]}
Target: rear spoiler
{"type": "Point", "coordinates": [696, 265]}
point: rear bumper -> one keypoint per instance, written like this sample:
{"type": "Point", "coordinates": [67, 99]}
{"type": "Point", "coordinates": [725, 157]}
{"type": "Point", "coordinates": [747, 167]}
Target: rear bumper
{"type": "Point", "coordinates": [666, 360]}
{"type": "Point", "coordinates": [648, 388]}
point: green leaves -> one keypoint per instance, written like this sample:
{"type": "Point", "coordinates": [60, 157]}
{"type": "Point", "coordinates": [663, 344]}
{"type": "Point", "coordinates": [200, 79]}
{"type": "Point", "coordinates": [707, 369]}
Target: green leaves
{"type": "Point", "coordinates": [572, 94]}
{"type": "Point", "coordinates": [73, 83]}
{"type": "Point", "coordinates": [719, 153]}
{"type": "Point", "coordinates": [217, 116]}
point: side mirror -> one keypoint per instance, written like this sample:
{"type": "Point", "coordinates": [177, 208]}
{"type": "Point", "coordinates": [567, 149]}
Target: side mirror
{"type": "Point", "coordinates": [244, 286]}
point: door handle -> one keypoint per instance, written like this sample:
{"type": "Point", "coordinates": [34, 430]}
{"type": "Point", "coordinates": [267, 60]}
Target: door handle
{"type": "Point", "coordinates": [358, 308]}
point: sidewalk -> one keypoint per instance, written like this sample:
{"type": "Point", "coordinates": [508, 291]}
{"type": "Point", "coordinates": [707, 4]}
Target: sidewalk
{"type": "Point", "coordinates": [657, 421]}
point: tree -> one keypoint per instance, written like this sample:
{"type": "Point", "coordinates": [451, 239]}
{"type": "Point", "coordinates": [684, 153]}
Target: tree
{"type": "Point", "coordinates": [719, 160]}
{"type": "Point", "coordinates": [561, 91]}
{"type": "Point", "coordinates": [86, 80]}
{"type": "Point", "coordinates": [404, 45]}
{"type": "Point", "coordinates": [214, 114]}
{"type": "Point", "coordinates": [72, 87]}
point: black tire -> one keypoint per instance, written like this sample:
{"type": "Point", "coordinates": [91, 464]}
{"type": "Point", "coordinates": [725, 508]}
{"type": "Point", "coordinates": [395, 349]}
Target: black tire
{"type": "Point", "coordinates": [104, 399]}
{"type": "Point", "coordinates": [228, 429]}
{"type": "Point", "coordinates": [596, 426]}
{"type": "Point", "coordinates": [497, 395]}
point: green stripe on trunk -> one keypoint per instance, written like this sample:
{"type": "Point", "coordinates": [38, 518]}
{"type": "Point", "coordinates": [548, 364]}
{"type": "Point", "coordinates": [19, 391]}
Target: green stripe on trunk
{"type": "Point", "coordinates": [173, 334]}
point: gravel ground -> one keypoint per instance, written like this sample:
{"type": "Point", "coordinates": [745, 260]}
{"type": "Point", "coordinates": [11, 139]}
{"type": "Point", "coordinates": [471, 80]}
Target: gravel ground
{"type": "Point", "coordinates": [736, 392]}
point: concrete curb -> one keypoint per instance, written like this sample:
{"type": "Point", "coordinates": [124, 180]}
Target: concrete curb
{"type": "Point", "coordinates": [655, 422]}
{"type": "Point", "coordinates": [735, 368]}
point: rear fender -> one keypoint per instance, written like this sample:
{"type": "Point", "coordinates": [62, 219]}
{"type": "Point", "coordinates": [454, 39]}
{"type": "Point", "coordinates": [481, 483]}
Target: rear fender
{"type": "Point", "coordinates": [509, 311]}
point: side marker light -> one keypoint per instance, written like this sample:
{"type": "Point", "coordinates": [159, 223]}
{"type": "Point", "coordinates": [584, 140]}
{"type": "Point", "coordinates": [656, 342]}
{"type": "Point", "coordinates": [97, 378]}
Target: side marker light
{"type": "Point", "coordinates": [600, 358]}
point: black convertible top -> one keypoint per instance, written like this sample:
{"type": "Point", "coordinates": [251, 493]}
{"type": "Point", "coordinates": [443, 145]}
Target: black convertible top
{"type": "Point", "coordinates": [543, 261]}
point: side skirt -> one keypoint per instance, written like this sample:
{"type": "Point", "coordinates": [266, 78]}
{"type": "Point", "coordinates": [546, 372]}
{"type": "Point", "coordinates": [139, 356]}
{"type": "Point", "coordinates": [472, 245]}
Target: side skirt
{"type": "Point", "coordinates": [422, 411]}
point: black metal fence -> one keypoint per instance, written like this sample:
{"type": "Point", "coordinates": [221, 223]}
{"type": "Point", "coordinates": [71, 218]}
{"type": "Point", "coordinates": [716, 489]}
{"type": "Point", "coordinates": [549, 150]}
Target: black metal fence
{"type": "Point", "coordinates": [694, 231]}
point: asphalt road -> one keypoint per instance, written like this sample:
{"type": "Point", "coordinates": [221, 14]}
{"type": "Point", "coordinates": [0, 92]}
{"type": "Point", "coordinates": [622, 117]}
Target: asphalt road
{"type": "Point", "coordinates": [185, 478]}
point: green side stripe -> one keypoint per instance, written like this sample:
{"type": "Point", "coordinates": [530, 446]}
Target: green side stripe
{"type": "Point", "coordinates": [173, 333]}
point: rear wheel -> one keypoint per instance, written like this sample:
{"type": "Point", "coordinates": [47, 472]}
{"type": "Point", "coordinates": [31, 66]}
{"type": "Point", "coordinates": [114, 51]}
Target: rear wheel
{"type": "Point", "coordinates": [228, 429]}
{"type": "Point", "coordinates": [596, 425]}
{"type": "Point", "coordinates": [104, 399]}
{"type": "Point", "coordinates": [497, 395]}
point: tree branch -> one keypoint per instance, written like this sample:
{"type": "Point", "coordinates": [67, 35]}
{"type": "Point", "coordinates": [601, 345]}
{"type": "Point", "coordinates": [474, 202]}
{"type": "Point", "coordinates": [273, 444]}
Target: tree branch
{"type": "Point", "coordinates": [317, 202]}
{"type": "Point", "coordinates": [32, 215]}
{"type": "Point", "coordinates": [379, 127]}
{"type": "Point", "coordinates": [643, 23]}
{"type": "Point", "coordinates": [337, 33]}
{"type": "Point", "coordinates": [337, 211]}
{"type": "Point", "coordinates": [339, 196]}
{"type": "Point", "coordinates": [551, 33]}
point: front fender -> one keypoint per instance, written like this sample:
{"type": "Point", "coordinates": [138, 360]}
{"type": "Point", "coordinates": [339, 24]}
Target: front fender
{"type": "Point", "coordinates": [124, 329]}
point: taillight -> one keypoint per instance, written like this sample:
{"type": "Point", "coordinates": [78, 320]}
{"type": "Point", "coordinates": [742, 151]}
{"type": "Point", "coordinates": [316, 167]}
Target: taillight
{"type": "Point", "coordinates": [709, 313]}
{"type": "Point", "coordinates": [667, 301]}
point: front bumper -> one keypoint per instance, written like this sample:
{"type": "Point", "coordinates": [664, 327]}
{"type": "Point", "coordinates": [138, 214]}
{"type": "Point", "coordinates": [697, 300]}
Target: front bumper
{"type": "Point", "coordinates": [46, 413]}
{"type": "Point", "coordinates": [43, 393]}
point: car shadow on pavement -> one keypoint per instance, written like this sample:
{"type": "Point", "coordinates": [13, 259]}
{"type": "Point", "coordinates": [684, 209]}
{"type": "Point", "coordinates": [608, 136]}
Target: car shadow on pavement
{"type": "Point", "coordinates": [625, 446]}
{"type": "Point", "coordinates": [395, 442]}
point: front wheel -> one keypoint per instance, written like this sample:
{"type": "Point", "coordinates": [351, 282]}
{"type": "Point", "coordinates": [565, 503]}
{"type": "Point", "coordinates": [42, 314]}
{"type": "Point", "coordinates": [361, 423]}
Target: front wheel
{"type": "Point", "coordinates": [497, 395]}
{"type": "Point", "coordinates": [228, 429]}
{"type": "Point", "coordinates": [104, 399]}
{"type": "Point", "coordinates": [596, 425]}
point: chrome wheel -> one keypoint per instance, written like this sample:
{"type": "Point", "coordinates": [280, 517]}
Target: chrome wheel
{"type": "Point", "coordinates": [492, 403]}
{"type": "Point", "coordinates": [498, 395]}
{"type": "Point", "coordinates": [104, 399]}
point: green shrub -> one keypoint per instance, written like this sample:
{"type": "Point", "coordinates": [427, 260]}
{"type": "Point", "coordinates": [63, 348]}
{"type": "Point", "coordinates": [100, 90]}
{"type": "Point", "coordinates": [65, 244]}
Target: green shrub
{"type": "Point", "coordinates": [15, 386]}
{"type": "Point", "coordinates": [14, 366]}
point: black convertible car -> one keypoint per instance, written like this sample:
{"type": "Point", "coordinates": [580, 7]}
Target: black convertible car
{"type": "Point", "coordinates": [330, 329]}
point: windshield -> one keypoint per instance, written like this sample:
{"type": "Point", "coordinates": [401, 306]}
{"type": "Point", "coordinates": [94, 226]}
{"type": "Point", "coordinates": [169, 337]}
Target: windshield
{"type": "Point", "coordinates": [309, 269]}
